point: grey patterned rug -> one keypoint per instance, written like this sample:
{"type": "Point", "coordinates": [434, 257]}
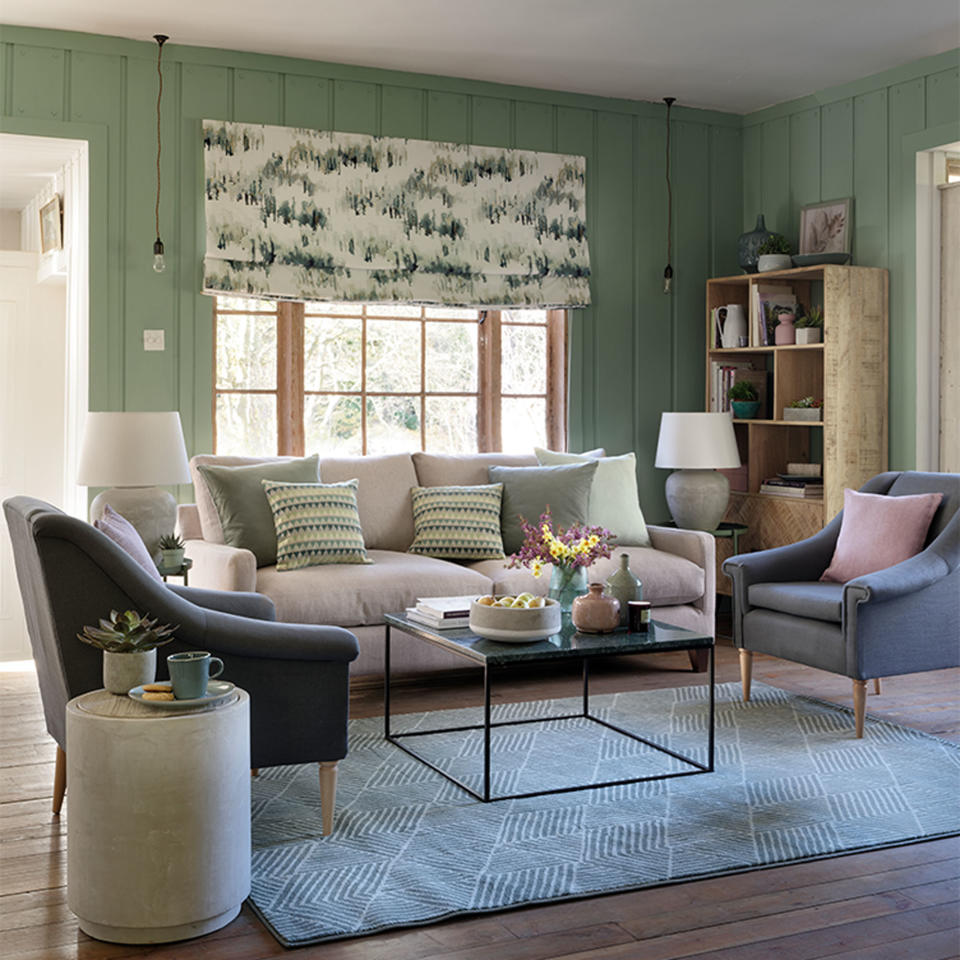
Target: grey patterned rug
{"type": "Point", "coordinates": [410, 848]}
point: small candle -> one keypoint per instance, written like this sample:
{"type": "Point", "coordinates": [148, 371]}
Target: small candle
{"type": "Point", "coordinates": [638, 615]}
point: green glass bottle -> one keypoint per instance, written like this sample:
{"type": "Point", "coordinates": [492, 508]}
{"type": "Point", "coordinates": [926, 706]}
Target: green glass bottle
{"type": "Point", "coordinates": [623, 585]}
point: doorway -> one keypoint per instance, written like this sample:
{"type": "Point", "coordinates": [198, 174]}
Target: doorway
{"type": "Point", "coordinates": [44, 281]}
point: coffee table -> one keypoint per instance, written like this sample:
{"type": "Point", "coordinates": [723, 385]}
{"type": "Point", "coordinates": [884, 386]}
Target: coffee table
{"type": "Point", "coordinates": [567, 644]}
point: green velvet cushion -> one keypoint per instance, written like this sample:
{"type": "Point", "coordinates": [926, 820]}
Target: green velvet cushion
{"type": "Point", "coordinates": [316, 523]}
{"type": "Point", "coordinates": [614, 500]}
{"type": "Point", "coordinates": [457, 523]}
{"type": "Point", "coordinates": [245, 515]}
{"type": "Point", "coordinates": [527, 491]}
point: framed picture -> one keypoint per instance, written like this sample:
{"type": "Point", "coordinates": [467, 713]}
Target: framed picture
{"type": "Point", "coordinates": [51, 226]}
{"type": "Point", "coordinates": [826, 227]}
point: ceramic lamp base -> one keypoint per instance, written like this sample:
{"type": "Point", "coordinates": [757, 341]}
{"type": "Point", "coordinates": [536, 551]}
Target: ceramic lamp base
{"type": "Point", "coordinates": [697, 498]}
{"type": "Point", "coordinates": [151, 511]}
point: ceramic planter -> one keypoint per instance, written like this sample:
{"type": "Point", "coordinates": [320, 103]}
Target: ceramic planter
{"type": "Point", "coordinates": [803, 413]}
{"type": "Point", "coordinates": [745, 409]}
{"type": "Point", "coordinates": [808, 334]}
{"type": "Point", "coordinates": [171, 559]}
{"type": "Point", "coordinates": [124, 671]}
{"type": "Point", "coordinates": [784, 334]}
{"type": "Point", "coordinates": [774, 261]}
{"type": "Point", "coordinates": [595, 612]}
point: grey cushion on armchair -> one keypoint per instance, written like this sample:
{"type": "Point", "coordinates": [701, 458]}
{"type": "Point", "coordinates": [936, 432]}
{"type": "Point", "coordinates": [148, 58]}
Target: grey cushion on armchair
{"type": "Point", "coordinates": [903, 619]}
{"type": "Point", "coordinates": [70, 575]}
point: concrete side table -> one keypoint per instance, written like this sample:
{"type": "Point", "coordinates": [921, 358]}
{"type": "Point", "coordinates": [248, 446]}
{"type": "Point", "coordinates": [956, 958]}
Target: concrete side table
{"type": "Point", "coordinates": [158, 817]}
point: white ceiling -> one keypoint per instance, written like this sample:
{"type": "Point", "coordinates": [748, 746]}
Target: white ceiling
{"type": "Point", "coordinates": [27, 164]}
{"type": "Point", "coordinates": [734, 55]}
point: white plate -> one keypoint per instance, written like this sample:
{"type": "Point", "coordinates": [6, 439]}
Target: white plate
{"type": "Point", "coordinates": [217, 690]}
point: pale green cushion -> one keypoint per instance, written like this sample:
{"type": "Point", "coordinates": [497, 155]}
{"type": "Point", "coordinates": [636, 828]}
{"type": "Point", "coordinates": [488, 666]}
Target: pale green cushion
{"type": "Point", "coordinates": [457, 523]}
{"type": "Point", "coordinates": [316, 523]}
{"type": "Point", "coordinates": [245, 515]}
{"type": "Point", "coordinates": [614, 500]}
{"type": "Point", "coordinates": [528, 491]}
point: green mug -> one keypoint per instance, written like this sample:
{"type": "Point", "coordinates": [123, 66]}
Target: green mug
{"type": "Point", "coordinates": [190, 671]}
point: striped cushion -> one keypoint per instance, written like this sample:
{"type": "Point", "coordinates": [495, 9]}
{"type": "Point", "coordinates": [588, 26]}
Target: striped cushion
{"type": "Point", "coordinates": [316, 523]}
{"type": "Point", "coordinates": [457, 523]}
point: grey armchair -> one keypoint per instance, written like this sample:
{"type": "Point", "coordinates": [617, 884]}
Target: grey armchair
{"type": "Point", "coordinates": [904, 619]}
{"type": "Point", "coordinates": [297, 675]}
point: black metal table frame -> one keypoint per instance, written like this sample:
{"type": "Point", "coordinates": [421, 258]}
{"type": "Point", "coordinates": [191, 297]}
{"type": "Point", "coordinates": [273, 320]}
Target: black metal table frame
{"type": "Point", "coordinates": [488, 725]}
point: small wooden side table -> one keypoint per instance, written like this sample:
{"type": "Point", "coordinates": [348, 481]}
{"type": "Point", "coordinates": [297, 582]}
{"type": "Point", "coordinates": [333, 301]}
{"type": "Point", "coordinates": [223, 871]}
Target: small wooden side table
{"type": "Point", "coordinates": [158, 817]}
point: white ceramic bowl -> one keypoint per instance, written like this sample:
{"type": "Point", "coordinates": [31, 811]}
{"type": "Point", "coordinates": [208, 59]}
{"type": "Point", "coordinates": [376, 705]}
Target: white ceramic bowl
{"type": "Point", "coordinates": [515, 625]}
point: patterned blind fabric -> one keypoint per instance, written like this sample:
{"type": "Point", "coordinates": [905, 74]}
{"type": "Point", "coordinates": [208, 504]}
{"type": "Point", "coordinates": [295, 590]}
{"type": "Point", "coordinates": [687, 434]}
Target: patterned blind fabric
{"type": "Point", "coordinates": [316, 523]}
{"type": "Point", "coordinates": [298, 214]}
{"type": "Point", "coordinates": [457, 523]}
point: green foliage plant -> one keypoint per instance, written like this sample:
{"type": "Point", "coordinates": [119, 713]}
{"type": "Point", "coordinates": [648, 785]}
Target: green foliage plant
{"type": "Point", "coordinates": [776, 243]}
{"type": "Point", "coordinates": [170, 541]}
{"type": "Point", "coordinates": [127, 633]}
{"type": "Point", "coordinates": [743, 390]}
{"type": "Point", "coordinates": [805, 403]}
{"type": "Point", "coordinates": [813, 318]}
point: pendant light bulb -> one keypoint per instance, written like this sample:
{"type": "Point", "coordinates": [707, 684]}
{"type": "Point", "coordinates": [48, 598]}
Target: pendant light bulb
{"type": "Point", "coordinates": [159, 263]}
{"type": "Point", "coordinates": [667, 278]}
{"type": "Point", "coordinates": [668, 270]}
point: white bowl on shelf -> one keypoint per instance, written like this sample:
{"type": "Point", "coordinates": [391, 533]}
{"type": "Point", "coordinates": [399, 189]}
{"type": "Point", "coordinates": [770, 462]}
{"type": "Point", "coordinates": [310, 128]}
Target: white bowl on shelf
{"type": "Point", "coordinates": [515, 624]}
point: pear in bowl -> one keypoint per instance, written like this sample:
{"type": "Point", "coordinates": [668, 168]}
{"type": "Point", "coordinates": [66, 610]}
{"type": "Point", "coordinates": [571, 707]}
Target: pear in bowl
{"type": "Point", "coordinates": [515, 619]}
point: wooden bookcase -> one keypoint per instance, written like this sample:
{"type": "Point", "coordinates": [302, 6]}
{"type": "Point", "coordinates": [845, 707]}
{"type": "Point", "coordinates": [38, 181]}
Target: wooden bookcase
{"type": "Point", "coordinates": [848, 370]}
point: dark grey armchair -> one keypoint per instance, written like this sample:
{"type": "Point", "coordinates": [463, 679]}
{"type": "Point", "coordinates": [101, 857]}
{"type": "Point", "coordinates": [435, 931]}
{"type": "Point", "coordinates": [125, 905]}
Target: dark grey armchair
{"type": "Point", "coordinates": [71, 574]}
{"type": "Point", "coordinates": [904, 619]}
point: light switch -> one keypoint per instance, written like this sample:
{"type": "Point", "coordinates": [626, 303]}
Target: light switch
{"type": "Point", "coordinates": [153, 339]}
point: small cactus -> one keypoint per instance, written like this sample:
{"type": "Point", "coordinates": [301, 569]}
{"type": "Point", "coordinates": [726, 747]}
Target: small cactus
{"type": "Point", "coordinates": [127, 633]}
{"type": "Point", "coordinates": [170, 541]}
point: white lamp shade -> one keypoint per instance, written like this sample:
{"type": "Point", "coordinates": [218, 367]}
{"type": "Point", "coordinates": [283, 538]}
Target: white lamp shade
{"type": "Point", "coordinates": [697, 441]}
{"type": "Point", "coordinates": [133, 450]}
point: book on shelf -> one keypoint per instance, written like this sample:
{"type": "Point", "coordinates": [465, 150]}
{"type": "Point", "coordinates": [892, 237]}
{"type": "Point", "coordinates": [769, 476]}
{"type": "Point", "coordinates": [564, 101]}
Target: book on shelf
{"type": "Point", "coordinates": [791, 488]}
{"type": "Point", "coordinates": [722, 375]}
{"type": "Point", "coordinates": [766, 300]}
{"type": "Point", "coordinates": [438, 623]}
{"type": "Point", "coordinates": [444, 608]}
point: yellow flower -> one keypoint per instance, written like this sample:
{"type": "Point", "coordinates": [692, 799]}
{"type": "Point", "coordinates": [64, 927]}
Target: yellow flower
{"type": "Point", "coordinates": [536, 568]}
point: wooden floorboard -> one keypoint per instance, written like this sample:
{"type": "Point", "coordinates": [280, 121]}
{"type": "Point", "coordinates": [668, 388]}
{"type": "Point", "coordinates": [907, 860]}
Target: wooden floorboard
{"type": "Point", "coordinates": [894, 904]}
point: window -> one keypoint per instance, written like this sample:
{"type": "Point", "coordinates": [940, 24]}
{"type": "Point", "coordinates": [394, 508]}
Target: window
{"type": "Point", "coordinates": [348, 379]}
{"type": "Point", "coordinates": [953, 168]}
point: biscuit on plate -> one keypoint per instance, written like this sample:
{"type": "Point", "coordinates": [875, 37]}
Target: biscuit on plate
{"type": "Point", "coordinates": [158, 696]}
{"type": "Point", "coordinates": [157, 688]}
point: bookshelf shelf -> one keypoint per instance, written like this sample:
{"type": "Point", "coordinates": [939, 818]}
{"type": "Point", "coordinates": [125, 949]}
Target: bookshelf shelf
{"type": "Point", "coordinates": [848, 371]}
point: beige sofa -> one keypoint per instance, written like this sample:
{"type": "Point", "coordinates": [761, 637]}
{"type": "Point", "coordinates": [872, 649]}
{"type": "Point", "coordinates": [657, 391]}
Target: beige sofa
{"type": "Point", "coordinates": [677, 572]}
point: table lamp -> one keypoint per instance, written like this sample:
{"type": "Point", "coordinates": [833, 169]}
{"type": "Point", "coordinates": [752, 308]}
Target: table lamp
{"type": "Point", "coordinates": [695, 446]}
{"type": "Point", "coordinates": [132, 454]}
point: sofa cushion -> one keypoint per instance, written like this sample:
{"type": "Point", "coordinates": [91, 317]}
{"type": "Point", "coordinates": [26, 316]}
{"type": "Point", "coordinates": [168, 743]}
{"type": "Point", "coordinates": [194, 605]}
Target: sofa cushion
{"type": "Point", "coordinates": [815, 601]}
{"type": "Point", "coordinates": [468, 470]}
{"type": "Point", "coordinates": [124, 534]}
{"type": "Point", "coordinates": [457, 523]}
{"type": "Point", "coordinates": [348, 595]}
{"type": "Point", "coordinates": [383, 496]}
{"type": "Point", "coordinates": [246, 519]}
{"type": "Point", "coordinates": [528, 491]}
{"type": "Point", "coordinates": [317, 523]}
{"type": "Point", "coordinates": [512, 580]}
{"type": "Point", "coordinates": [877, 532]}
{"type": "Point", "coordinates": [614, 499]}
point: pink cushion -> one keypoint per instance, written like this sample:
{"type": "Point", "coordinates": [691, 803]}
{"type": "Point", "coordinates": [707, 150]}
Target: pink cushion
{"type": "Point", "coordinates": [878, 532]}
{"type": "Point", "coordinates": [124, 534]}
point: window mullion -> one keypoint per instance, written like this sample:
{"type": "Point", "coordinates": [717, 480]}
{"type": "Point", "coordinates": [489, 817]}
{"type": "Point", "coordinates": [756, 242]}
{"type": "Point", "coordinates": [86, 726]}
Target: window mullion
{"type": "Point", "coordinates": [290, 384]}
{"type": "Point", "coordinates": [557, 379]}
{"type": "Point", "coordinates": [488, 407]}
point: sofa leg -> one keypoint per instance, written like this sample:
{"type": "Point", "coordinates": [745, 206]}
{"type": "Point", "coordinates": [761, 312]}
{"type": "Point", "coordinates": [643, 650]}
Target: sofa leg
{"type": "Point", "coordinates": [746, 672]}
{"type": "Point", "coordinates": [59, 780]}
{"type": "Point", "coordinates": [698, 660]}
{"type": "Point", "coordinates": [328, 794]}
{"type": "Point", "coordinates": [859, 704]}
{"type": "Point", "coordinates": [876, 686]}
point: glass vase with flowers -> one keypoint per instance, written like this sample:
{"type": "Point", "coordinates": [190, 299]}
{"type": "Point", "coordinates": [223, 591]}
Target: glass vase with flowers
{"type": "Point", "coordinates": [568, 551]}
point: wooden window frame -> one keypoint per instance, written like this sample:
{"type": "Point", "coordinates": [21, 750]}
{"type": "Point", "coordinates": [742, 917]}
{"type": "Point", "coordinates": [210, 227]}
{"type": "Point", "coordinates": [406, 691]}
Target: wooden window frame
{"type": "Point", "coordinates": [291, 390]}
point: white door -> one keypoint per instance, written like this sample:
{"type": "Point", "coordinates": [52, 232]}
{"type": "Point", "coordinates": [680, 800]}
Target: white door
{"type": "Point", "coordinates": [32, 334]}
{"type": "Point", "coordinates": [950, 328]}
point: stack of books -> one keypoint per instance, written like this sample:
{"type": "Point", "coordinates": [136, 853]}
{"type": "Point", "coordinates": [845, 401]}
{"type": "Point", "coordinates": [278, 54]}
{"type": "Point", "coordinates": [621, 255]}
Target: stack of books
{"type": "Point", "coordinates": [793, 487]}
{"type": "Point", "coordinates": [441, 613]}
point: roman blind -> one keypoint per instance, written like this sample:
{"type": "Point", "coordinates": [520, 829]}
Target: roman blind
{"type": "Point", "coordinates": [299, 214]}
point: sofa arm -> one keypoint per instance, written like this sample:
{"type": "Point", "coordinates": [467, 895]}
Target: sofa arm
{"type": "Point", "coordinates": [188, 522]}
{"type": "Point", "coordinates": [253, 605]}
{"type": "Point", "coordinates": [218, 566]}
{"type": "Point", "coordinates": [698, 547]}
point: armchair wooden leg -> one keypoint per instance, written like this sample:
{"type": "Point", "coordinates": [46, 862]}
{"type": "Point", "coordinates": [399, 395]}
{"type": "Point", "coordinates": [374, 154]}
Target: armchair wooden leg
{"type": "Point", "coordinates": [876, 686]}
{"type": "Point", "coordinates": [59, 780]}
{"type": "Point", "coordinates": [328, 794]}
{"type": "Point", "coordinates": [254, 771]}
{"type": "Point", "coordinates": [746, 672]}
{"type": "Point", "coordinates": [859, 704]}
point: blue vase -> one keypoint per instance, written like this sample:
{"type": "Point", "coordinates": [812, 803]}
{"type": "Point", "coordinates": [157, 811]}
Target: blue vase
{"type": "Point", "coordinates": [566, 584]}
{"type": "Point", "coordinates": [749, 244]}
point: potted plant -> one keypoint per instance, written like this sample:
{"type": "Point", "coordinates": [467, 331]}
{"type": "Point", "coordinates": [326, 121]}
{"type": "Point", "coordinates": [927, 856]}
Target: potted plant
{"type": "Point", "coordinates": [809, 327]}
{"type": "Point", "coordinates": [171, 552]}
{"type": "Point", "coordinates": [129, 643]}
{"type": "Point", "coordinates": [744, 399]}
{"type": "Point", "coordinates": [806, 408]}
{"type": "Point", "coordinates": [774, 254]}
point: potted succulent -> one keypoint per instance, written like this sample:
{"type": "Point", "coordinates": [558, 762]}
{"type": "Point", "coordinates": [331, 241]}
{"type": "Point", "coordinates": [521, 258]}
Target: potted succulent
{"type": "Point", "coordinates": [806, 408]}
{"type": "Point", "coordinates": [774, 254]}
{"type": "Point", "coordinates": [171, 552]}
{"type": "Point", "coordinates": [810, 326]}
{"type": "Point", "coordinates": [129, 643]}
{"type": "Point", "coordinates": [744, 399]}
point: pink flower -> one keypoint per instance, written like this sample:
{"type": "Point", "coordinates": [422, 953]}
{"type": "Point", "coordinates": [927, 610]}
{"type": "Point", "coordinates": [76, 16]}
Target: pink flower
{"type": "Point", "coordinates": [579, 545]}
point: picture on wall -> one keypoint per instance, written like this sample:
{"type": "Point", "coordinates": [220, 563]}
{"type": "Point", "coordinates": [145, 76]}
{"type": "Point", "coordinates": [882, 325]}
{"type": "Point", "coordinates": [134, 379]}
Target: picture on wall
{"type": "Point", "coordinates": [826, 227]}
{"type": "Point", "coordinates": [51, 226]}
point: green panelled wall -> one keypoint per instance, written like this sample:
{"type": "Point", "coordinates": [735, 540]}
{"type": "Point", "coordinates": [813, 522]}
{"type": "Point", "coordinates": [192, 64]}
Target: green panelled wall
{"type": "Point", "coordinates": [635, 351]}
{"type": "Point", "coordinates": [858, 141]}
